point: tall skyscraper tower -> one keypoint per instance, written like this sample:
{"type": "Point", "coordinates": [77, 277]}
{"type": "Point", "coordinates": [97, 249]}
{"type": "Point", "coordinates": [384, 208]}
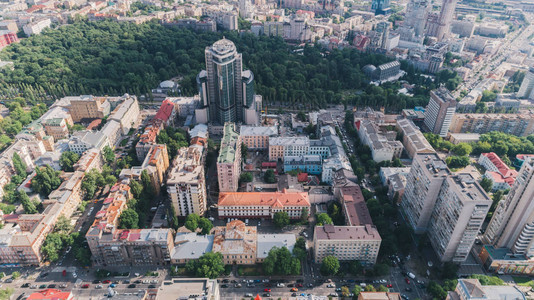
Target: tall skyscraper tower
{"type": "Point", "coordinates": [512, 224]}
{"type": "Point", "coordinates": [417, 15]}
{"type": "Point", "coordinates": [226, 91]}
{"type": "Point", "coordinates": [440, 110]}
{"type": "Point", "coordinates": [445, 18]}
{"type": "Point", "coordinates": [381, 7]}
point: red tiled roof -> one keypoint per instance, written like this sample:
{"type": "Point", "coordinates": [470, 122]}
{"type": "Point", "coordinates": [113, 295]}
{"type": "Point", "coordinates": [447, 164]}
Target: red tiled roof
{"type": "Point", "coordinates": [302, 177]}
{"type": "Point", "coordinates": [274, 199]}
{"type": "Point", "coordinates": [50, 294]}
{"type": "Point", "coordinates": [504, 170]}
{"type": "Point", "coordinates": [497, 177]}
{"type": "Point", "coordinates": [165, 110]}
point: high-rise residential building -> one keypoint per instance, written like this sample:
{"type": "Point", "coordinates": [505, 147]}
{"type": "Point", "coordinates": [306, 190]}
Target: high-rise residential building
{"type": "Point", "coordinates": [440, 111]}
{"type": "Point", "coordinates": [422, 187]}
{"type": "Point", "coordinates": [458, 214]}
{"type": "Point", "coordinates": [229, 160]}
{"type": "Point", "coordinates": [186, 184]}
{"type": "Point", "coordinates": [521, 124]}
{"type": "Point", "coordinates": [381, 7]}
{"type": "Point", "coordinates": [416, 15]}
{"type": "Point", "coordinates": [450, 208]}
{"type": "Point", "coordinates": [512, 224]}
{"type": "Point", "coordinates": [226, 91]}
{"type": "Point", "coordinates": [526, 90]}
{"type": "Point", "coordinates": [445, 19]}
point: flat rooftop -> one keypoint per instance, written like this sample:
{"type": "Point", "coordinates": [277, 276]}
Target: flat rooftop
{"type": "Point", "coordinates": [353, 233]}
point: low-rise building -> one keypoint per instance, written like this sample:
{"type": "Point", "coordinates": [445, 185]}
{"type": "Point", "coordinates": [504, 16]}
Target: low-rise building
{"type": "Point", "coordinates": [379, 296]}
{"type": "Point", "coordinates": [383, 145]}
{"type": "Point", "coordinates": [56, 127]}
{"type": "Point", "coordinates": [112, 131]}
{"type": "Point", "coordinates": [257, 137]}
{"type": "Point", "coordinates": [236, 242]}
{"type": "Point", "coordinates": [111, 246]}
{"type": "Point", "coordinates": [468, 289]}
{"type": "Point", "coordinates": [262, 205]}
{"type": "Point", "coordinates": [91, 159]}
{"type": "Point", "coordinates": [36, 27]}
{"type": "Point", "coordinates": [412, 139]}
{"type": "Point", "coordinates": [155, 164]}
{"type": "Point", "coordinates": [126, 113]}
{"type": "Point", "coordinates": [279, 147]}
{"type": "Point", "coordinates": [147, 139]}
{"type": "Point", "coordinates": [186, 183]}
{"type": "Point", "coordinates": [83, 141]}
{"type": "Point", "coordinates": [347, 243]}
{"type": "Point", "coordinates": [189, 288]}
{"type": "Point", "coordinates": [497, 171]}
{"type": "Point", "coordinates": [185, 106]}
{"type": "Point", "coordinates": [87, 107]}
{"type": "Point", "coordinates": [311, 164]}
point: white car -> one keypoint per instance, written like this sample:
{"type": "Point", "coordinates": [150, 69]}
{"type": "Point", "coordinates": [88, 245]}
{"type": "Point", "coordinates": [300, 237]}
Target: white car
{"type": "Point", "coordinates": [280, 285]}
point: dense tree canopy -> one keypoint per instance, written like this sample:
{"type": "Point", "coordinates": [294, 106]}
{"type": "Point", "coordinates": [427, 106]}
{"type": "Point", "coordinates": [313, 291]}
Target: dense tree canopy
{"type": "Point", "coordinates": [330, 265]}
{"type": "Point", "coordinates": [67, 160]}
{"type": "Point", "coordinates": [114, 58]}
{"type": "Point", "coordinates": [45, 180]}
{"type": "Point", "coordinates": [208, 265]}
{"type": "Point", "coordinates": [279, 261]}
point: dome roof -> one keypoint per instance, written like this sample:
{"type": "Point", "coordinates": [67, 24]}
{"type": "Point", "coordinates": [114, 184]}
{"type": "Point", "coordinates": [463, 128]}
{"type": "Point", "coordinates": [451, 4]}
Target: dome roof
{"type": "Point", "coordinates": [167, 84]}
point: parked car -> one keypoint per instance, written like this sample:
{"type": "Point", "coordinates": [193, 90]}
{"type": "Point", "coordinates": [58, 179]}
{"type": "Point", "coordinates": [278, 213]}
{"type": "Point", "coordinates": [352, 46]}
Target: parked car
{"type": "Point", "coordinates": [85, 286]}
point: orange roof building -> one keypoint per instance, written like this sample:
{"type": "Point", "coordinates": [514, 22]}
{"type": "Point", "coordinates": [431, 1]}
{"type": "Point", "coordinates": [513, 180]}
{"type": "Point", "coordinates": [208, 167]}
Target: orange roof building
{"type": "Point", "coordinates": [261, 205]}
{"type": "Point", "coordinates": [51, 294]}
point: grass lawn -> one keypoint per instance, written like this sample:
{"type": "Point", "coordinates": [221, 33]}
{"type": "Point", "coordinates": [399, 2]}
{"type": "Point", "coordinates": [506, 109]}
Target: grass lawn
{"type": "Point", "coordinates": [254, 270]}
{"type": "Point", "coordinates": [524, 281]}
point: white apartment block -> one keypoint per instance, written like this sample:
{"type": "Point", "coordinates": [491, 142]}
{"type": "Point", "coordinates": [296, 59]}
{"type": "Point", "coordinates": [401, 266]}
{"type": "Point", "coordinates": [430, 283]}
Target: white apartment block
{"type": "Point", "coordinates": [186, 184]}
{"type": "Point", "coordinates": [423, 184]}
{"type": "Point", "coordinates": [347, 243]}
{"type": "Point", "coordinates": [458, 214]}
{"type": "Point", "coordinates": [36, 27]}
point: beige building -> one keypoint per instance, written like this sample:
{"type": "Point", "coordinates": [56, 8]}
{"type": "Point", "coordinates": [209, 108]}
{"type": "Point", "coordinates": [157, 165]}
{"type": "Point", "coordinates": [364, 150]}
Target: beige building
{"type": "Point", "coordinates": [257, 137]}
{"type": "Point", "coordinates": [347, 243]}
{"type": "Point", "coordinates": [57, 128]}
{"type": "Point", "coordinates": [236, 242]}
{"type": "Point", "coordinates": [88, 107]}
{"type": "Point", "coordinates": [412, 139]}
{"type": "Point", "coordinates": [458, 214]}
{"type": "Point", "coordinates": [516, 124]}
{"type": "Point", "coordinates": [156, 164]}
{"type": "Point", "coordinates": [186, 183]}
{"type": "Point", "coordinates": [262, 204]}
{"type": "Point", "coordinates": [91, 159]}
{"type": "Point", "coordinates": [229, 160]}
{"type": "Point", "coordinates": [468, 289]}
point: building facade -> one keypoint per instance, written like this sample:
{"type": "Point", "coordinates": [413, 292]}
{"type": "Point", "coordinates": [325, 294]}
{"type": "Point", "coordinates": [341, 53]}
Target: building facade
{"type": "Point", "coordinates": [517, 124]}
{"type": "Point", "coordinates": [226, 91]}
{"type": "Point", "coordinates": [186, 183]}
{"type": "Point", "coordinates": [440, 111]}
{"type": "Point", "coordinates": [262, 204]}
{"type": "Point", "coordinates": [229, 159]}
{"type": "Point", "coordinates": [88, 107]}
{"type": "Point", "coordinates": [458, 214]}
{"type": "Point", "coordinates": [423, 184]}
{"type": "Point", "coordinates": [347, 243]}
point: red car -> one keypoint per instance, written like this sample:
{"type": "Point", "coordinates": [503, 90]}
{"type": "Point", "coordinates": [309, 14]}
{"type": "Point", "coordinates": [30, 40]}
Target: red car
{"type": "Point", "coordinates": [299, 284]}
{"type": "Point", "coordinates": [85, 286]}
{"type": "Point", "coordinates": [389, 285]}
{"type": "Point", "coordinates": [407, 280]}
{"type": "Point", "coordinates": [106, 281]}
{"type": "Point", "coordinates": [266, 290]}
